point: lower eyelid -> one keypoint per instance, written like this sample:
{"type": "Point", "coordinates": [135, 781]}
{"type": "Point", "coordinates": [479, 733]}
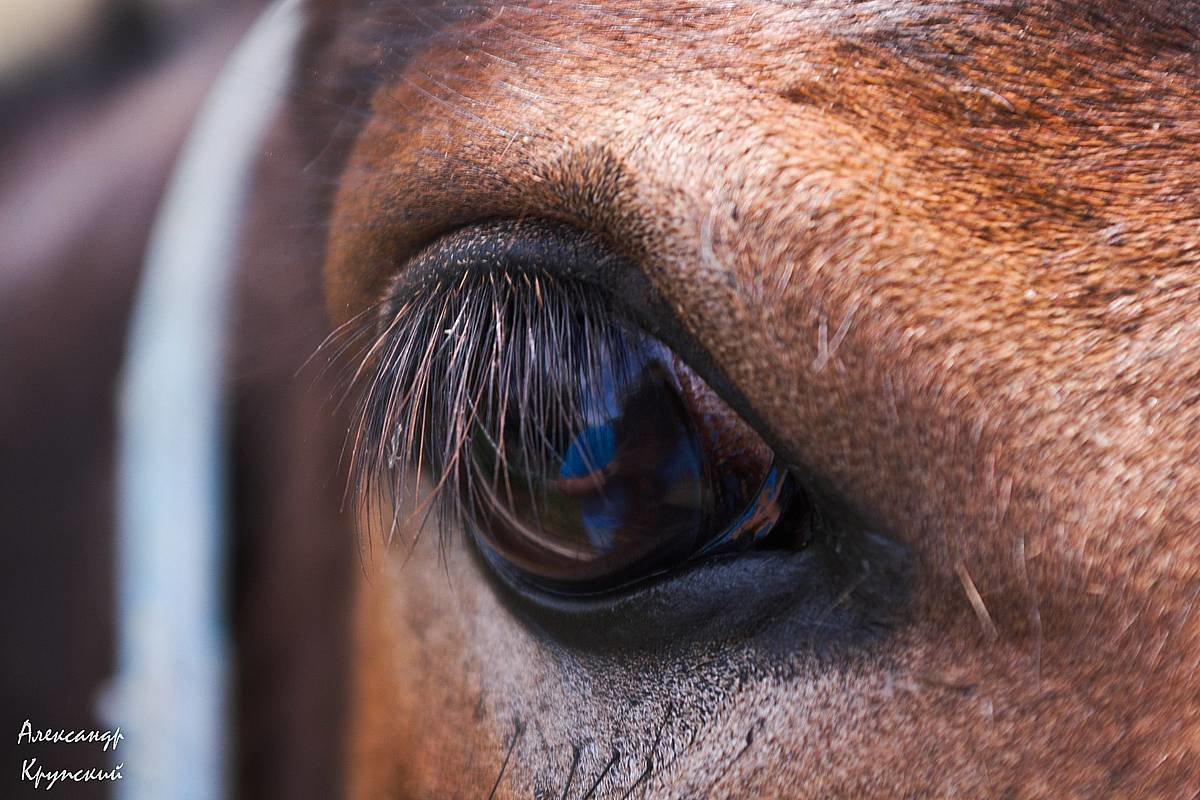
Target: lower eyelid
{"type": "Point", "coordinates": [781, 602]}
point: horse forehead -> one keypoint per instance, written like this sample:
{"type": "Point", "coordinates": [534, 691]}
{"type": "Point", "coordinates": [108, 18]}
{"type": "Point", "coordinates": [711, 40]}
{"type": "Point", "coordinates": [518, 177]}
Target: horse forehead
{"type": "Point", "coordinates": [1033, 138]}
{"type": "Point", "coordinates": [944, 183]}
{"type": "Point", "coordinates": [1035, 45]}
{"type": "Point", "coordinates": [1044, 114]}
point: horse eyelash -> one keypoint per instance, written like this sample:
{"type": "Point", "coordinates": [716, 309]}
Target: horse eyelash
{"type": "Point", "coordinates": [450, 364]}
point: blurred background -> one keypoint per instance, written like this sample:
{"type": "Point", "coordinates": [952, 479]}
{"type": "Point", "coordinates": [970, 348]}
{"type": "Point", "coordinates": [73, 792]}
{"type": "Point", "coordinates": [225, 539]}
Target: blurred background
{"type": "Point", "coordinates": [96, 97]}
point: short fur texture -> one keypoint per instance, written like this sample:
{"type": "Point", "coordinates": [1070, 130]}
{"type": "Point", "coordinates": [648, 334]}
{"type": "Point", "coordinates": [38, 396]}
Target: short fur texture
{"type": "Point", "coordinates": [948, 253]}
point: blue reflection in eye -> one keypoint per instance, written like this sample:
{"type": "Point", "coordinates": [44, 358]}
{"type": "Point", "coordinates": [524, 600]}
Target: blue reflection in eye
{"type": "Point", "coordinates": [603, 512]}
{"type": "Point", "coordinates": [592, 451]}
{"type": "Point", "coordinates": [626, 483]}
{"type": "Point", "coordinates": [636, 459]}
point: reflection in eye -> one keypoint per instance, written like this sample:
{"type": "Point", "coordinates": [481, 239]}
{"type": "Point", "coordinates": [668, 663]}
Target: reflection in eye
{"type": "Point", "coordinates": [629, 478]}
{"type": "Point", "coordinates": [580, 452]}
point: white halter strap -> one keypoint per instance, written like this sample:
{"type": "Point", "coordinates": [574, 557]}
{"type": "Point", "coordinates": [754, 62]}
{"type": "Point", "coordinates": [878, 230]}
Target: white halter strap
{"type": "Point", "coordinates": [171, 694]}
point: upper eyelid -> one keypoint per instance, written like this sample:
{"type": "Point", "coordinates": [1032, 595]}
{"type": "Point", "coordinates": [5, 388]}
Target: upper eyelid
{"type": "Point", "coordinates": [537, 246]}
{"type": "Point", "coordinates": [569, 253]}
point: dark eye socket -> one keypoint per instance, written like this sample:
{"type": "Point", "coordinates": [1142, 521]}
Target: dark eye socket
{"type": "Point", "coordinates": [579, 451]}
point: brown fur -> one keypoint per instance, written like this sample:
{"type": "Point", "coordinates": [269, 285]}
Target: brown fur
{"type": "Point", "coordinates": [948, 253]}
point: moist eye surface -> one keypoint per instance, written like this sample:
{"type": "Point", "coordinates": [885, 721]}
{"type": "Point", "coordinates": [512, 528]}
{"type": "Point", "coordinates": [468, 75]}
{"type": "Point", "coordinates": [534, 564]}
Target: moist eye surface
{"type": "Point", "coordinates": [578, 451]}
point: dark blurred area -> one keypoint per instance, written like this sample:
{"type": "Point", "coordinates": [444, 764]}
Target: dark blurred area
{"type": "Point", "coordinates": [57, 52]}
{"type": "Point", "coordinates": [96, 97]}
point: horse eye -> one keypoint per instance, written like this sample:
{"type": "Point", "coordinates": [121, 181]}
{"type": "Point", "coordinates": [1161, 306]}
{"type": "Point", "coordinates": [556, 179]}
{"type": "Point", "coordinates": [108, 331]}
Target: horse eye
{"type": "Point", "coordinates": [641, 467]}
{"type": "Point", "coordinates": [579, 452]}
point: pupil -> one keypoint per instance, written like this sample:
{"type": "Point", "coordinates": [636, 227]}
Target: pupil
{"type": "Point", "coordinates": [618, 484]}
{"type": "Point", "coordinates": [591, 456]}
{"type": "Point", "coordinates": [578, 451]}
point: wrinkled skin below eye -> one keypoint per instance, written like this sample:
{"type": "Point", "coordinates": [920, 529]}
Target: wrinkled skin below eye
{"type": "Point", "coordinates": [628, 695]}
